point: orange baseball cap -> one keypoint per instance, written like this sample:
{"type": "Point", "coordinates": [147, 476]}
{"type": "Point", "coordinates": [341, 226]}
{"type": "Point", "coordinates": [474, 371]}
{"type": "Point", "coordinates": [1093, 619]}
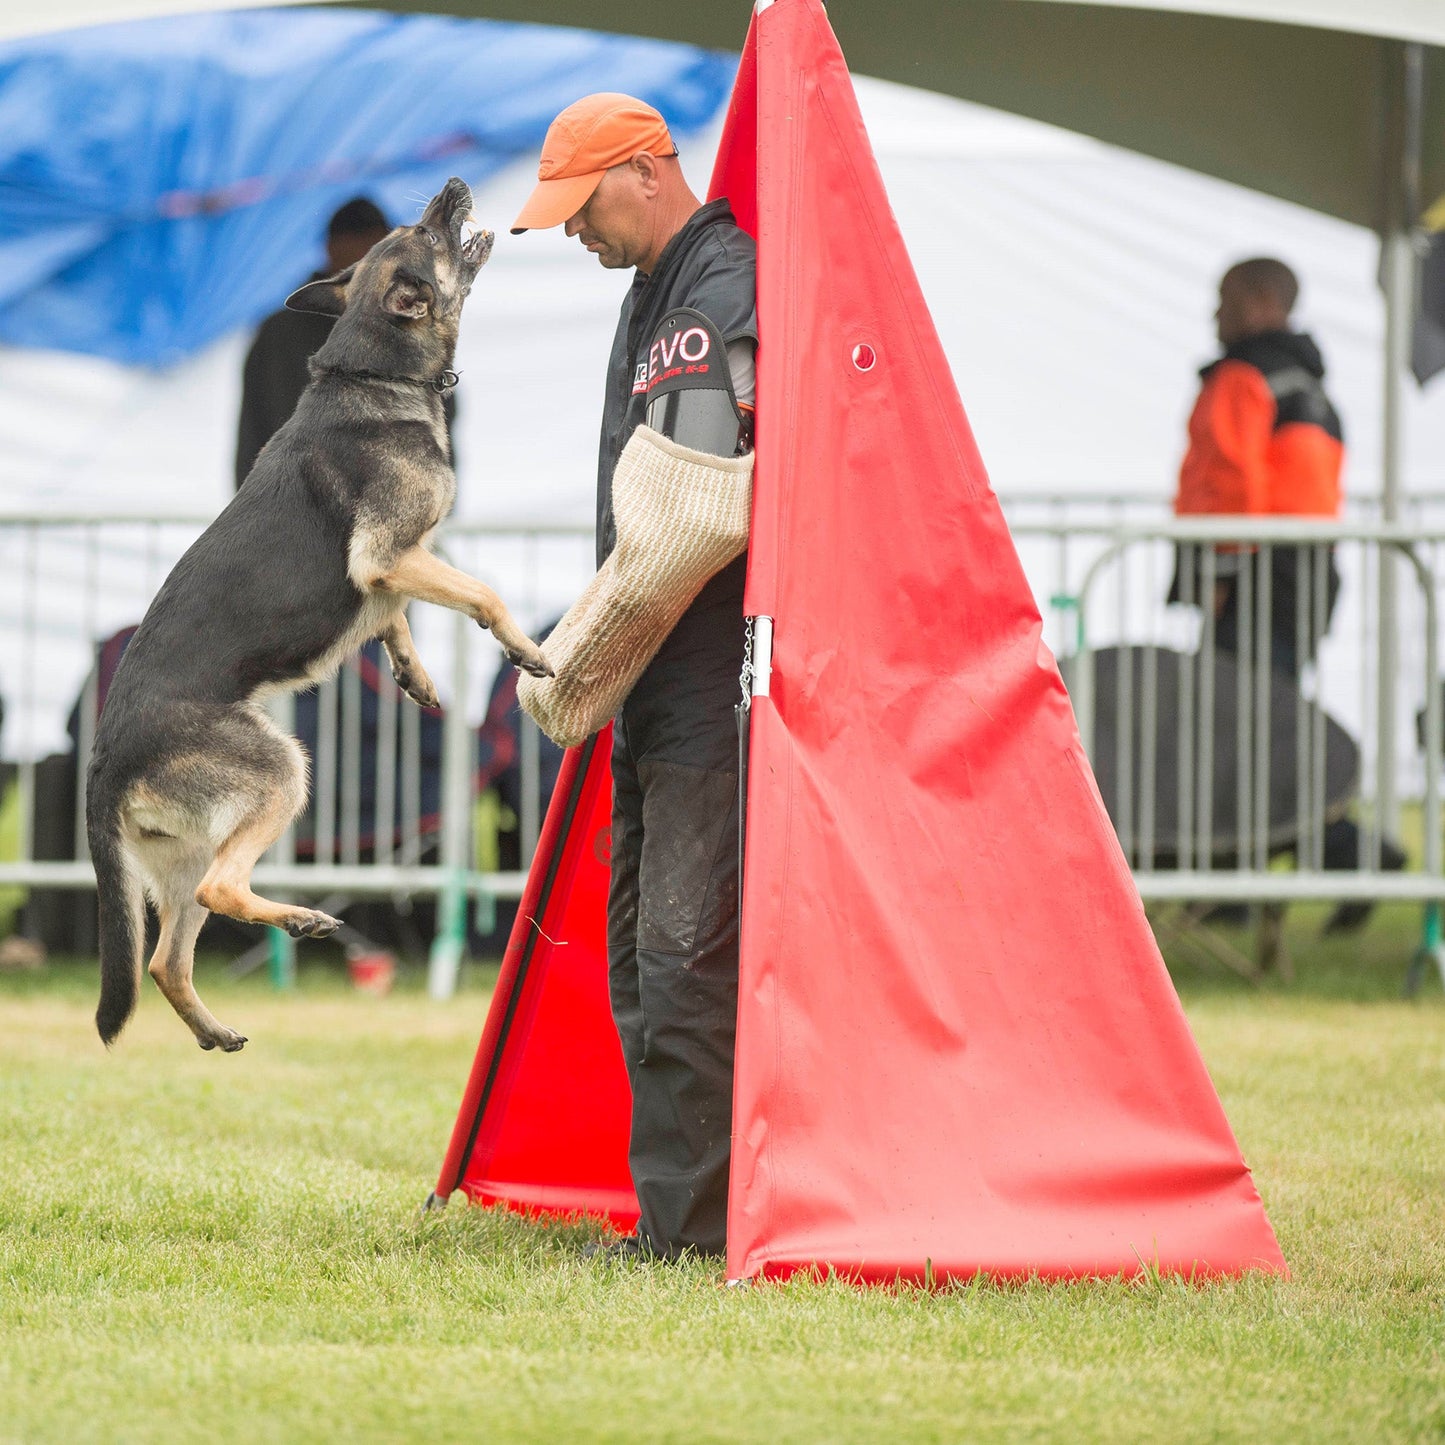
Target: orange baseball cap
{"type": "Point", "coordinates": [590, 137]}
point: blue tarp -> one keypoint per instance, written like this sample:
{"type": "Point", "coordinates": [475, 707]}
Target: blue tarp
{"type": "Point", "coordinates": [165, 181]}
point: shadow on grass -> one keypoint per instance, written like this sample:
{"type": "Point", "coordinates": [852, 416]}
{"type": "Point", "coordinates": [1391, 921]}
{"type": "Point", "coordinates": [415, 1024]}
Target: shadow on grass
{"type": "Point", "coordinates": [491, 1236]}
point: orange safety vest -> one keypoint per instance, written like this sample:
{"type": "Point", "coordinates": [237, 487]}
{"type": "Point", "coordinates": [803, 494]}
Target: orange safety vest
{"type": "Point", "coordinates": [1263, 437]}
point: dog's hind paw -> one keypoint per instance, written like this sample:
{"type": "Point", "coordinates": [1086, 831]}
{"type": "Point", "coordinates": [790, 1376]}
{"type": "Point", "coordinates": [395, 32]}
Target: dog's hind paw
{"type": "Point", "coordinates": [311, 923]}
{"type": "Point", "coordinates": [227, 1040]}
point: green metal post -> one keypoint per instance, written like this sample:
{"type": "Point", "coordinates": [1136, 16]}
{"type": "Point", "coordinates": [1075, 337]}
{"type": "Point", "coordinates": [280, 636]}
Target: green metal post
{"type": "Point", "coordinates": [1066, 602]}
{"type": "Point", "coordinates": [1431, 950]}
{"type": "Point", "coordinates": [281, 958]}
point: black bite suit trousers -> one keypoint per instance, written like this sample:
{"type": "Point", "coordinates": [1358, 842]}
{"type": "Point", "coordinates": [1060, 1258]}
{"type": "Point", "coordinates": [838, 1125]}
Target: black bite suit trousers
{"type": "Point", "coordinates": [672, 937]}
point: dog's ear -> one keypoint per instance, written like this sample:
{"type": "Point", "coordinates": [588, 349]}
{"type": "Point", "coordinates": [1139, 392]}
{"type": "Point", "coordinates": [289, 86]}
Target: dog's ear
{"type": "Point", "coordinates": [408, 297]}
{"type": "Point", "coordinates": [325, 298]}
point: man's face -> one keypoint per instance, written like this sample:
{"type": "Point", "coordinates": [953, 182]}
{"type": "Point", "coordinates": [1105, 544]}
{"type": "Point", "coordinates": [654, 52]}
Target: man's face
{"type": "Point", "coordinates": [616, 222]}
{"type": "Point", "coordinates": [1230, 320]}
{"type": "Point", "coordinates": [1243, 312]}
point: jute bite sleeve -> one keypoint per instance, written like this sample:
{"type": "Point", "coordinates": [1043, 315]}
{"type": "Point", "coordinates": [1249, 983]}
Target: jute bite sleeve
{"type": "Point", "coordinates": [682, 516]}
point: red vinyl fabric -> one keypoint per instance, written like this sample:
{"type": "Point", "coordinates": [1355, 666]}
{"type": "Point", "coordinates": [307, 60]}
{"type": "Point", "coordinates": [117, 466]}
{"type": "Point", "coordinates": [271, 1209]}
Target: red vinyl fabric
{"type": "Point", "coordinates": [544, 1121]}
{"type": "Point", "coordinates": [958, 1048]}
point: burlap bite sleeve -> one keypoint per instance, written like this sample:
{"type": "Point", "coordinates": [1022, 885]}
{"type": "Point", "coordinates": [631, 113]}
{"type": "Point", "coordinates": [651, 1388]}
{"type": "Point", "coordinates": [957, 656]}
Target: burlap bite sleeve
{"type": "Point", "coordinates": [681, 517]}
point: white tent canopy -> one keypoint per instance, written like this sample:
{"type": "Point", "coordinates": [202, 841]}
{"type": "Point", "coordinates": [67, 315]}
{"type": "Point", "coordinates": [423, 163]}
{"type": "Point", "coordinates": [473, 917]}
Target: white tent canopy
{"type": "Point", "coordinates": [1291, 97]}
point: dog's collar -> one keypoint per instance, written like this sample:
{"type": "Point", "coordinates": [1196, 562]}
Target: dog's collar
{"type": "Point", "coordinates": [439, 384]}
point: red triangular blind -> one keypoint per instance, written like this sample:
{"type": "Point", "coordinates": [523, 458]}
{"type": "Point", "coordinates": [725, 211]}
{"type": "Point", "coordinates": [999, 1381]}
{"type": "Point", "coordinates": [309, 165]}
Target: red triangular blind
{"type": "Point", "coordinates": [958, 1048]}
{"type": "Point", "coordinates": [544, 1121]}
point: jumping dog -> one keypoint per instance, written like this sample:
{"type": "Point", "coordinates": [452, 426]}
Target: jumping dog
{"type": "Point", "coordinates": [320, 550]}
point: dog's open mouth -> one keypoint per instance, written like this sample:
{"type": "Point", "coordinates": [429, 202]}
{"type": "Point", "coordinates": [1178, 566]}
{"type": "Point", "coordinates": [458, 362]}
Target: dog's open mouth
{"type": "Point", "coordinates": [476, 242]}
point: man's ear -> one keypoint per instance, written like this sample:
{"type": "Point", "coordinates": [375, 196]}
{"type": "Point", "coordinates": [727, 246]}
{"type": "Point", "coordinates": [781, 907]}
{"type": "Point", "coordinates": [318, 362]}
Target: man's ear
{"type": "Point", "coordinates": [325, 298]}
{"type": "Point", "coordinates": [407, 297]}
{"type": "Point", "coordinates": [649, 172]}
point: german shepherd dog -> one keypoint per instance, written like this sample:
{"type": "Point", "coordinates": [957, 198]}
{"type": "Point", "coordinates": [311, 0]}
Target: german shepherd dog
{"type": "Point", "coordinates": [320, 550]}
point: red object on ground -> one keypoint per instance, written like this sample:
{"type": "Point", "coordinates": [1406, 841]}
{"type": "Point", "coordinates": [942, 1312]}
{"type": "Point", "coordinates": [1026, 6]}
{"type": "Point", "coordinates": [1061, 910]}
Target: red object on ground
{"type": "Point", "coordinates": [958, 1048]}
{"type": "Point", "coordinates": [545, 1118]}
{"type": "Point", "coordinates": [371, 972]}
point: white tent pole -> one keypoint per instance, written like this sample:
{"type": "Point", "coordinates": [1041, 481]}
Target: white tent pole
{"type": "Point", "coordinates": [1404, 84]}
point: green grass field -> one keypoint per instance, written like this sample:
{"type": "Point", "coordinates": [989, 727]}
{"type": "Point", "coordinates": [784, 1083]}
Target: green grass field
{"type": "Point", "coordinates": [195, 1247]}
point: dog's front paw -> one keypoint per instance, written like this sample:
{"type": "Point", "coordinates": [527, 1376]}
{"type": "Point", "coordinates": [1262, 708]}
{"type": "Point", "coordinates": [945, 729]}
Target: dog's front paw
{"type": "Point", "coordinates": [520, 650]}
{"type": "Point", "coordinates": [531, 661]}
{"type": "Point", "coordinates": [419, 688]}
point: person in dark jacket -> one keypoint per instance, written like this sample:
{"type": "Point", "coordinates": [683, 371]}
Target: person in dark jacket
{"type": "Point", "coordinates": [1265, 440]}
{"type": "Point", "coordinates": [609, 172]}
{"type": "Point", "coordinates": [275, 373]}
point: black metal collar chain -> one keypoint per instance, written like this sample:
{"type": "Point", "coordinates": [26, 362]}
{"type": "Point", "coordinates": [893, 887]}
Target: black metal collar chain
{"type": "Point", "coordinates": [439, 384]}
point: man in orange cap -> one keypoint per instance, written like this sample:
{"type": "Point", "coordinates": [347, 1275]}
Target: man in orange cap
{"type": "Point", "coordinates": [610, 174]}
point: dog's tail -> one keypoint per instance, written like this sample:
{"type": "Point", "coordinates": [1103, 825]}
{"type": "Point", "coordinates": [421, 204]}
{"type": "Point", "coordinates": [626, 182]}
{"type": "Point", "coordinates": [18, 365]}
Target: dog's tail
{"type": "Point", "coordinates": [122, 909]}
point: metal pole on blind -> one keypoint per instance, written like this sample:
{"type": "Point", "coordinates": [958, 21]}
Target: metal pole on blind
{"type": "Point", "coordinates": [762, 665]}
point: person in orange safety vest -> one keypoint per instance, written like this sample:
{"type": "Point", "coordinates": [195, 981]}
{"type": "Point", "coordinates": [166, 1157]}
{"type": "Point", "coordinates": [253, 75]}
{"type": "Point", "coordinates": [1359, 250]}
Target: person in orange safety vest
{"type": "Point", "coordinates": [1264, 440]}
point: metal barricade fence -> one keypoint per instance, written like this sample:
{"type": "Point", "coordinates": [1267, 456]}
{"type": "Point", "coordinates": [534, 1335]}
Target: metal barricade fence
{"type": "Point", "coordinates": [393, 789]}
{"type": "Point", "coordinates": [1244, 723]}
{"type": "Point", "coordinates": [394, 796]}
